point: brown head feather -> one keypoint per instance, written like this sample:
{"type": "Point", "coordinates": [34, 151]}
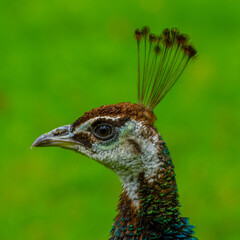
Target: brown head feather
{"type": "Point", "coordinates": [129, 110]}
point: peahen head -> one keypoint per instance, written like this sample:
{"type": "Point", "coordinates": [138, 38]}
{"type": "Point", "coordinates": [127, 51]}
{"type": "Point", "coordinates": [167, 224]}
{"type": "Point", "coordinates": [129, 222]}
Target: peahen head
{"type": "Point", "coordinates": [122, 137]}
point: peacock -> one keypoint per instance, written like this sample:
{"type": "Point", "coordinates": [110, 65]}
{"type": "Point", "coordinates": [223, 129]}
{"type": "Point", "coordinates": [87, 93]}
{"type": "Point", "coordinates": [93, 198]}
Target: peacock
{"type": "Point", "coordinates": [123, 138]}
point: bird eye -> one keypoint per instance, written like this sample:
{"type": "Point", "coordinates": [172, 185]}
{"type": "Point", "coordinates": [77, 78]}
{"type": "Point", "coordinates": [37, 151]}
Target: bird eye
{"type": "Point", "coordinates": [104, 132]}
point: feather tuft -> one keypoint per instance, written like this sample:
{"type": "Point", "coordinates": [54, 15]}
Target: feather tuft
{"type": "Point", "coordinates": [161, 61]}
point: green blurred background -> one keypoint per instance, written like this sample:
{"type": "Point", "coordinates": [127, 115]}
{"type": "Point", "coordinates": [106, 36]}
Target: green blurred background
{"type": "Point", "coordinates": [59, 59]}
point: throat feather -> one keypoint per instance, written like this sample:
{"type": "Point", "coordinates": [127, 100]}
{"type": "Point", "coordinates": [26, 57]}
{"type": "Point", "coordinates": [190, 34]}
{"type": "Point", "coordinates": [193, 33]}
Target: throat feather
{"type": "Point", "coordinates": [157, 216]}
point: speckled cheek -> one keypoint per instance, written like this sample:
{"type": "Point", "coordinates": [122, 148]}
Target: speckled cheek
{"type": "Point", "coordinates": [84, 151]}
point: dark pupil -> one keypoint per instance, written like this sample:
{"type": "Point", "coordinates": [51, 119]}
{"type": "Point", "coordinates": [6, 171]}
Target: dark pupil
{"type": "Point", "coordinates": [103, 131]}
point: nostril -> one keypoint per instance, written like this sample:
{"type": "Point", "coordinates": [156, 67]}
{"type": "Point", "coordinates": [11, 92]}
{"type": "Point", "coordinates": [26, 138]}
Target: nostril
{"type": "Point", "coordinates": [60, 132]}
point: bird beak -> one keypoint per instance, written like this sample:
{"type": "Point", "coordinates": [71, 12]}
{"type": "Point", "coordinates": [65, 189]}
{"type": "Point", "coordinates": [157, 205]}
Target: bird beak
{"type": "Point", "coordinates": [59, 137]}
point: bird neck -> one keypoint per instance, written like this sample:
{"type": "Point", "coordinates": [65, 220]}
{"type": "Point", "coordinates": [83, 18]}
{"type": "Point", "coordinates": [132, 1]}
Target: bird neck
{"type": "Point", "coordinates": [157, 216]}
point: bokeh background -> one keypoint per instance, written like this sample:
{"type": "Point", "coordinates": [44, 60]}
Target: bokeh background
{"type": "Point", "coordinates": [59, 59]}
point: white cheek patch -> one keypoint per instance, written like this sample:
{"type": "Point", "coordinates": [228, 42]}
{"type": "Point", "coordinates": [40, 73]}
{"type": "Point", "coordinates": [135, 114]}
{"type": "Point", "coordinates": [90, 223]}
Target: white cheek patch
{"type": "Point", "coordinates": [119, 155]}
{"type": "Point", "coordinates": [82, 150]}
{"type": "Point", "coordinates": [128, 165]}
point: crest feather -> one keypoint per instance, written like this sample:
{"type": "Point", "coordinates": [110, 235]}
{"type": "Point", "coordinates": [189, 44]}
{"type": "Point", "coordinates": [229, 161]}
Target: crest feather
{"type": "Point", "coordinates": [165, 57]}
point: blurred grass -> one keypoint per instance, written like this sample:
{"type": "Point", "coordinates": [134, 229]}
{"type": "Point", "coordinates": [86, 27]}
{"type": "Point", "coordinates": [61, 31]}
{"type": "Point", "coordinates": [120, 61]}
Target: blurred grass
{"type": "Point", "coordinates": [59, 59]}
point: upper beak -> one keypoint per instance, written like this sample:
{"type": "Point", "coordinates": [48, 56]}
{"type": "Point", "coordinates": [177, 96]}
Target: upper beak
{"type": "Point", "coordinates": [60, 137]}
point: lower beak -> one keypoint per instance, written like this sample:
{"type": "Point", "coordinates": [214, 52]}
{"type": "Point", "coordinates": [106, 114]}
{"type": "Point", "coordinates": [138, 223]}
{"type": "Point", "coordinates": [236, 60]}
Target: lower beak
{"type": "Point", "coordinates": [59, 137]}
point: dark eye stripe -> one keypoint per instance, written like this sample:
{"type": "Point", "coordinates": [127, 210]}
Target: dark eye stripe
{"type": "Point", "coordinates": [83, 139]}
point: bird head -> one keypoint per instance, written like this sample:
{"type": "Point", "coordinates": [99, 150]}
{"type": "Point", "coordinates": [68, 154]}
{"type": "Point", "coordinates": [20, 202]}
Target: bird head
{"type": "Point", "coordinates": [117, 136]}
